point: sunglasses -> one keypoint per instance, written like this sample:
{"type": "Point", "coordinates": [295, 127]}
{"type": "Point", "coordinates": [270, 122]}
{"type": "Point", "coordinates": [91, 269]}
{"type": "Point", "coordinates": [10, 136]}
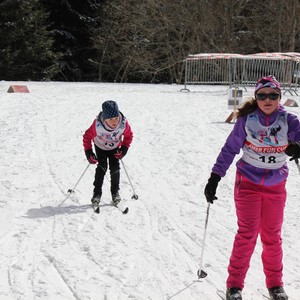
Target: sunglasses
{"type": "Point", "coordinates": [262, 97]}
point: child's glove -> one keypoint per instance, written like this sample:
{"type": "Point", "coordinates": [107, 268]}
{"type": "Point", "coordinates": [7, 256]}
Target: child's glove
{"type": "Point", "coordinates": [121, 152]}
{"type": "Point", "coordinates": [211, 187]}
{"type": "Point", "coordinates": [293, 150]}
{"type": "Point", "coordinates": [91, 157]}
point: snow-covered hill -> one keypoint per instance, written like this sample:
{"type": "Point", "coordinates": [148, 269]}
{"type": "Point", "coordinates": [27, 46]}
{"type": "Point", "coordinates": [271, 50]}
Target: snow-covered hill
{"type": "Point", "coordinates": [54, 251]}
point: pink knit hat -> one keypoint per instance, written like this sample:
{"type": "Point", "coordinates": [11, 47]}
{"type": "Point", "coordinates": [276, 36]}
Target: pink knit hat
{"type": "Point", "coordinates": [267, 81]}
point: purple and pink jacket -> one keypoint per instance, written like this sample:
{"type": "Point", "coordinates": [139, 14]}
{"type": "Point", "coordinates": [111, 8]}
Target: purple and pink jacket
{"type": "Point", "coordinates": [236, 141]}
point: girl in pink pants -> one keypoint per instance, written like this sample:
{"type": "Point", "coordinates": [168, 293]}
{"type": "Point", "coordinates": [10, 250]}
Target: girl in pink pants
{"type": "Point", "coordinates": [266, 133]}
{"type": "Point", "coordinates": [264, 216]}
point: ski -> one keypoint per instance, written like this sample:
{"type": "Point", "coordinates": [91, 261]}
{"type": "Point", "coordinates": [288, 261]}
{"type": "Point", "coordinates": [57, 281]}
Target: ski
{"type": "Point", "coordinates": [119, 206]}
{"type": "Point", "coordinates": [96, 208]}
{"type": "Point", "coordinates": [263, 293]}
{"type": "Point", "coordinates": [123, 209]}
{"type": "Point", "coordinates": [221, 294]}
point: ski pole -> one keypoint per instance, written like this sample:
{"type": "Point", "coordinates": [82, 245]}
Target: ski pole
{"type": "Point", "coordinates": [201, 273]}
{"type": "Point", "coordinates": [134, 196]}
{"type": "Point", "coordinates": [70, 191]}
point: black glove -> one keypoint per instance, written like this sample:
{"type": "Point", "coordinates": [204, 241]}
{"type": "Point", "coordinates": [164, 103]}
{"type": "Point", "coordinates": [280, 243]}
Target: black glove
{"type": "Point", "coordinates": [91, 157]}
{"type": "Point", "coordinates": [121, 152]}
{"type": "Point", "coordinates": [211, 187]}
{"type": "Point", "coordinates": [293, 150]}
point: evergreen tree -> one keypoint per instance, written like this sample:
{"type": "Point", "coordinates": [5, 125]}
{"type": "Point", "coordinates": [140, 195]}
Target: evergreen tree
{"type": "Point", "coordinates": [25, 42]}
{"type": "Point", "coordinates": [73, 21]}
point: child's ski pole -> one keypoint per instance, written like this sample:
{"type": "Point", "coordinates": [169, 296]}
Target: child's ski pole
{"type": "Point", "coordinates": [134, 196]}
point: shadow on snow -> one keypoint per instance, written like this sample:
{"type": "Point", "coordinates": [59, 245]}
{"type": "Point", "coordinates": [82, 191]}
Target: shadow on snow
{"type": "Point", "coordinates": [51, 211]}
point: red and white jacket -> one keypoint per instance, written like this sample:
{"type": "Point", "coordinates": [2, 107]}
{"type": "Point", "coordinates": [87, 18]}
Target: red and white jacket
{"type": "Point", "coordinates": [107, 138]}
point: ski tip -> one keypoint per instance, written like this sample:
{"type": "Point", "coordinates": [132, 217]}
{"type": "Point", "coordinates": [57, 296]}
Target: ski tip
{"type": "Point", "coordinates": [125, 211]}
{"type": "Point", "coordinates": [221, 294]}
{"type": "Point", "coordinates": [97, 210]}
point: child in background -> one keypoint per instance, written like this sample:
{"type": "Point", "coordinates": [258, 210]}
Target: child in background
{"type": "Point", "coordinates": [111, 135]}
{"type": "Point", "coordinates": [266, 133]}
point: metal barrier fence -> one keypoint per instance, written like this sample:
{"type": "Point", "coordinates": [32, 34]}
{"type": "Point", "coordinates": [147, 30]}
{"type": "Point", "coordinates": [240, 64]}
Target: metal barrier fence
{"type": "Point", "coordinates": [243, 70]}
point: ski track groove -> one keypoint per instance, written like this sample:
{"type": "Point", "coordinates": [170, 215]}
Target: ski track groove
{"type": "Point", "coordinates": [61, 275]}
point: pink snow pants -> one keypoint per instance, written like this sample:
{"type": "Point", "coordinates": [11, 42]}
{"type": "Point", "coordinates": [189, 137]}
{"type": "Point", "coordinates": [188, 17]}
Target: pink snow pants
{"type": "Point", "coordinates": [259, 210]}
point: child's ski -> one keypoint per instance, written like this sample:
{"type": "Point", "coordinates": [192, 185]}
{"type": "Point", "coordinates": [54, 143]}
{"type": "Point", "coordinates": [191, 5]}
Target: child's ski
{"type": "Point", "coordinates": [121, 207]}
{"type": "Point", "coordinates": [221, 294]}
{"type": "Point", "coordinates": [96, 208]}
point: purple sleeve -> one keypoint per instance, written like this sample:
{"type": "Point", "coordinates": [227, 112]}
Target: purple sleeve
{"type": "Point", "coordinates": [231, 148]}
{"type": "Point", "coordinates": [294, 128]}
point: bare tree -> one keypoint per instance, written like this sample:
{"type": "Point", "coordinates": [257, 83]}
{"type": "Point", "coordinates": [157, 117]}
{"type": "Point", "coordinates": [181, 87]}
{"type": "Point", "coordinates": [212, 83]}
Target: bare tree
{"type": "Point", "coordinates": [148, 41]}
{"type": "Point", "coordinates": [152, 39]}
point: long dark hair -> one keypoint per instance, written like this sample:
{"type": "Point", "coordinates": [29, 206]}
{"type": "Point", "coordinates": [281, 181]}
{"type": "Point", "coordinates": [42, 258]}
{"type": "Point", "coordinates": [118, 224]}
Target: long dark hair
{"type": "Point", "coordinates": [249, 106]}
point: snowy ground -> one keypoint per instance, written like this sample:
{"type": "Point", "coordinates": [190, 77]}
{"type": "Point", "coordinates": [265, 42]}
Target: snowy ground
{"type": "Point", "coordinates": [54, 251]}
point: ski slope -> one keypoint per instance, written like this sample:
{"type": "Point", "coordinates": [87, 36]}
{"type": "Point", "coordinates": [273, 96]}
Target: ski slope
{"type": "Point", "coordinates": [57, 248]}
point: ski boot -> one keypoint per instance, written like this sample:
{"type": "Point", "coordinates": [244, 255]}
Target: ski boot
{"type": "Point", "coordinates": [96, 199]}
{"type": "Point", "coordinates": [277, 293]}
{"type": "Point", "coordinates": [233, 294]}
{"type": "Point", "coordinates": [116, 198]}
